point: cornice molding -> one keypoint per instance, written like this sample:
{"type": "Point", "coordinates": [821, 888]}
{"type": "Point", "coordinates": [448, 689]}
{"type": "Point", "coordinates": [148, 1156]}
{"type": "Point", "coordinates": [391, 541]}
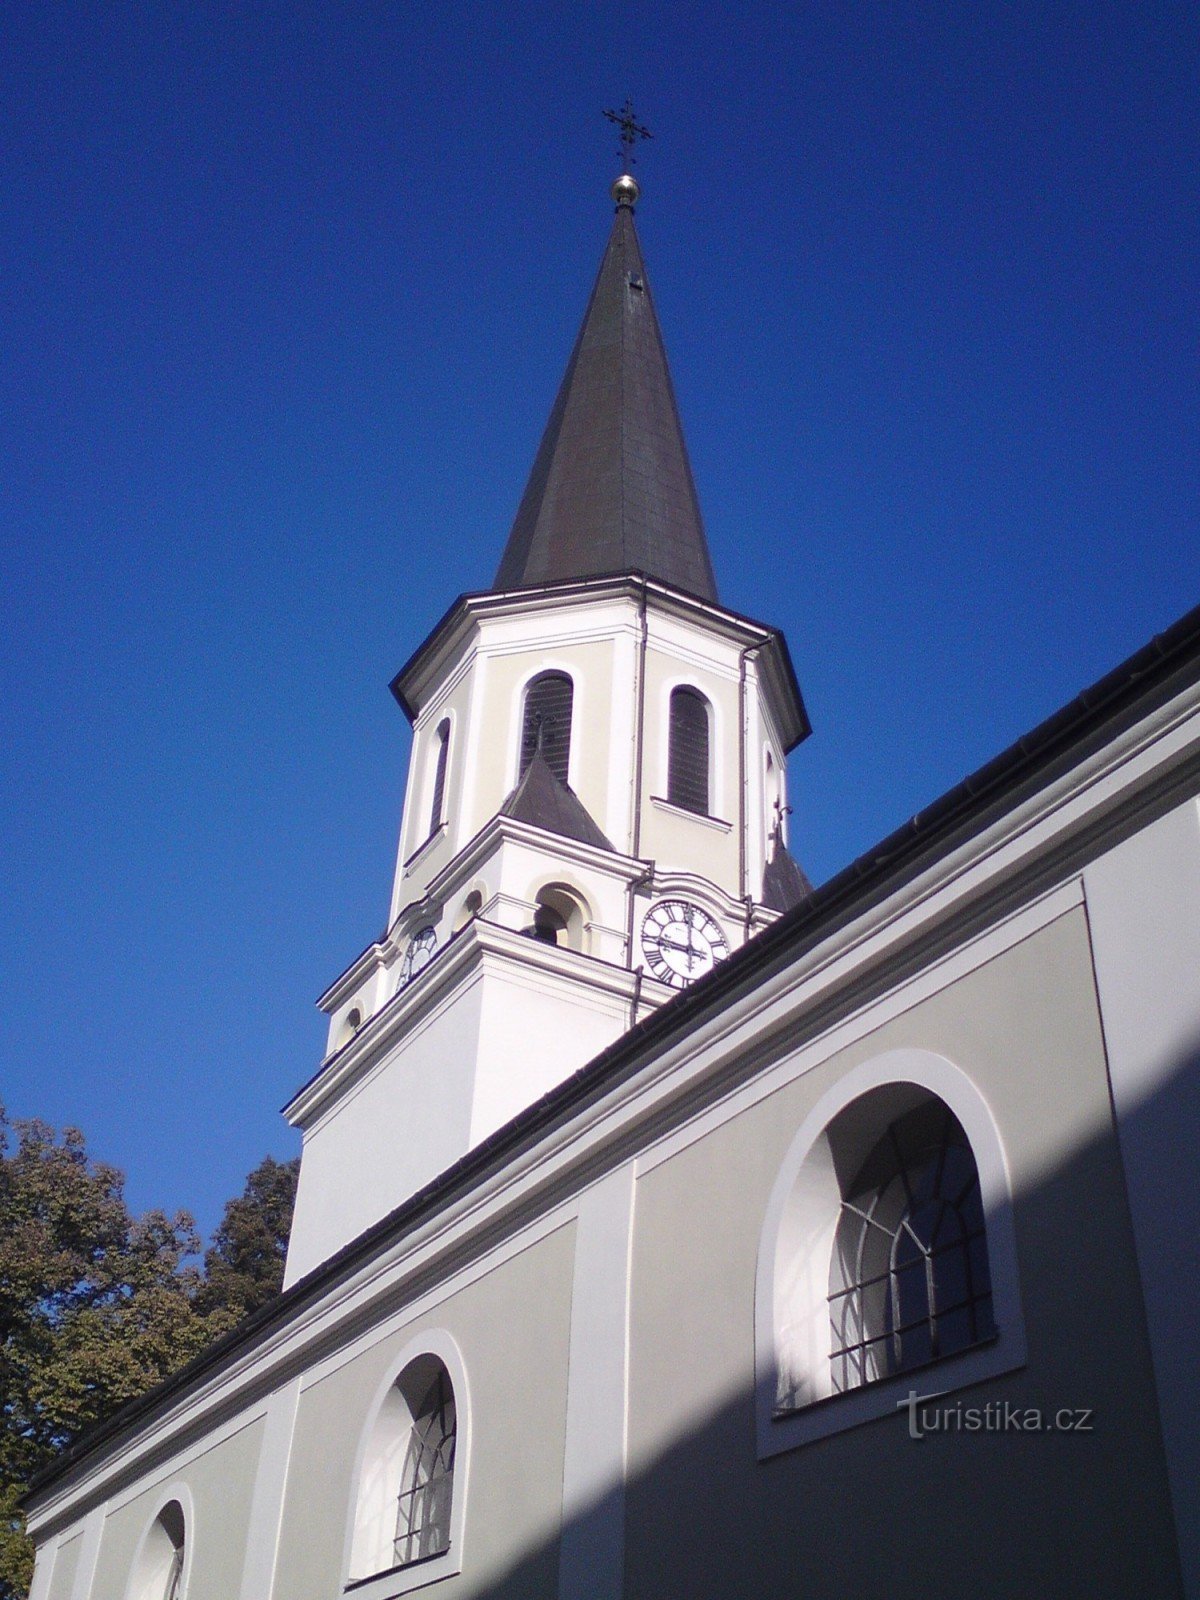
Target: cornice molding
{"type": "Point", "coordinates": [455, 964]}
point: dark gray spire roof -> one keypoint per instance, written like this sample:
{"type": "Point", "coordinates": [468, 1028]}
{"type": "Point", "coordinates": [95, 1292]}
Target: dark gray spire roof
{"type": "Point", "coordinates": [544, 801]}
{"type": "Point", "coordinates": [784, 881]}
{"type": "Point", "coordinates": [611, 488]}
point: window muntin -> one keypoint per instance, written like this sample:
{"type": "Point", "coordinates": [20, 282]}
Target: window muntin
{"type": "Point", "coordinates": [687, 751]}
{"type": "Point", "coordinates": [909, 1280]}
{"type": "Point", "coordinates": [439, 775]}
{"type": "Point", "coordinates": [427, 1477]}
{"type": "Point", "coordinates": [546, 723]}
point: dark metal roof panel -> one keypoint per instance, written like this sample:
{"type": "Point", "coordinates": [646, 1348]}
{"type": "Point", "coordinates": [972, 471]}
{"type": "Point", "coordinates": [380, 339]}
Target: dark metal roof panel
{"type": "Point", "coordinates": [611, 488]}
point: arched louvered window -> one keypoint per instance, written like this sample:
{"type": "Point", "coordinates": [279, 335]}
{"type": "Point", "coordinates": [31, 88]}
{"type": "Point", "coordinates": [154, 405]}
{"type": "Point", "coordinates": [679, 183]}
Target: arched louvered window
{"type": "Point", "coordinates": [427, 1476]}
{"type": "Point", "coordinates": [547, 720]}
{"type": "Point", "coordinates": [439, 775]}
{"type": "Point", "coordinates": [909, 1280]}
{"type": "Point", "coordinates": [687, 751]}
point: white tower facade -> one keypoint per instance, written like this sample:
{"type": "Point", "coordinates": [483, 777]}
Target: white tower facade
{"type": "Point", "coordinates": [595, 801]}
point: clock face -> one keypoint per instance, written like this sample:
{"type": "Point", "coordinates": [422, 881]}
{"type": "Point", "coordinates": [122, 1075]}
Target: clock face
{"type": "Point", "coordinates": [680, 941]}
{"type": "Point", "coordinates": [419, 954]}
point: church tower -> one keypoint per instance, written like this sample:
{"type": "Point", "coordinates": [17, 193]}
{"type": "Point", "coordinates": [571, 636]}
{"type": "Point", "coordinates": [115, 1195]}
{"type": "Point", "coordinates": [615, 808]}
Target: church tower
{"type": "Point", "coordinates": [595, 806]}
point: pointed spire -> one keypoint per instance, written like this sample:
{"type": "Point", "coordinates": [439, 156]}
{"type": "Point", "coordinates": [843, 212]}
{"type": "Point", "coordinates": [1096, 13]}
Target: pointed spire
{"type": "Point", "coordinates": [611, 488]}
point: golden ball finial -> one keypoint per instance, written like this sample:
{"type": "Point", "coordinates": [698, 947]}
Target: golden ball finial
{"type": "Point", "coordinates": [625, 191]}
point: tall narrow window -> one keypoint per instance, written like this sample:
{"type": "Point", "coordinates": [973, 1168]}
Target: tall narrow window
{"type": "Point", "coordinates": [547, 723]}
{"type": "Point", "coordinates": [439, 775]}
{"type": "Point", "coordinates": [687, 751]}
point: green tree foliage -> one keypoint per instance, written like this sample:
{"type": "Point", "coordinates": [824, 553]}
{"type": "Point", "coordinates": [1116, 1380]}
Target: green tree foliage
{"type": "Point", "coordinates": [96, 1305]}
{"type": "Point", "coordinates": [243, 1268]}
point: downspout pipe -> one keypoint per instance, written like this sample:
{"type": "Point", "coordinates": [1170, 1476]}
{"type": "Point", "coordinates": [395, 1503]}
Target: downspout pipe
{"type": "Point", "coordinates": [743, 885]}
{"type": "Point", "coordinates": [638, 883]}
{"type": "Point", "coordinates": [639, 723]}
{"type": "Point", "coordinates": [639, 744]}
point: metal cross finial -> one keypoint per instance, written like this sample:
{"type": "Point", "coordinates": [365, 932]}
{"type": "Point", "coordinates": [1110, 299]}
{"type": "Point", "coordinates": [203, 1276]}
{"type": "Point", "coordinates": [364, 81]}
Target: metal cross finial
{"type": "Point", "coordinates": [631, 131]}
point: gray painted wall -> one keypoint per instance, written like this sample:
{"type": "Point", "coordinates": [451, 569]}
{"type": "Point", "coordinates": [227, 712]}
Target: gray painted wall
{"type": "Point", "coordinates": [220, 1482]}
{"type": "Point", "coordinates": [995, 1514]}
{"type": "Point", "coordinates": [513, 1329]}
{"type": "Point", "coordinates": [701, 1515]}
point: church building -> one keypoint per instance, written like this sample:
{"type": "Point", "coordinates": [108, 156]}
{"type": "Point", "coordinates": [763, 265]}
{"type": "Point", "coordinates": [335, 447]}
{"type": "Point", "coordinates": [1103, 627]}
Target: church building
{"type": "Point", "coordinates": [667, 1226]}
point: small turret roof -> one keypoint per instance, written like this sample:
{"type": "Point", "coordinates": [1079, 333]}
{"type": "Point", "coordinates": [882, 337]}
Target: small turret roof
{"type": "Point", "coordinates": [611, 488]}
{"type": "Point", "coordinates": [546, 802]}
{"type": "Point", "coordinates": [785, 883]}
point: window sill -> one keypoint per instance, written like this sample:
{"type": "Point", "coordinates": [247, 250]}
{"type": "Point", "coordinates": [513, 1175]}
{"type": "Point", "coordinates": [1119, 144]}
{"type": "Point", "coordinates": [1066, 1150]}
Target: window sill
{"type": "Point", "coordinates": [693, 816]}
{"type": "Point", "coordinates": [787, 1428]}
{"type": "Point", "coordinates": [403, 1579]}
{"type": "Point", "coordinates": [426, 844]}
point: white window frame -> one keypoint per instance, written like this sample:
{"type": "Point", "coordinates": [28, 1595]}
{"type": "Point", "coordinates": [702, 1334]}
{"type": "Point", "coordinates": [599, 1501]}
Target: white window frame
{"type": "Point", "coordinates": [792, 1278]}
{"type": "Point", "coordinates": [401, 1580]}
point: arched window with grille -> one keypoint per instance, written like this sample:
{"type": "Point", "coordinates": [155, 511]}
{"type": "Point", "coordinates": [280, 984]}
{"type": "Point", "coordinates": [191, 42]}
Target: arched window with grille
{"type": "Point", "coordinates": [887, 1247]}
{"type": "Point", "coordinates": [407, 1512]}
{"type": "Point", "coordinates": [439, 775]}
{"type": "Point", "coordinates": [546, 722]}
{"type": "Point", "coordinates": [687, 751]}
{"type": "Point", "coordinates": [427, 1476]}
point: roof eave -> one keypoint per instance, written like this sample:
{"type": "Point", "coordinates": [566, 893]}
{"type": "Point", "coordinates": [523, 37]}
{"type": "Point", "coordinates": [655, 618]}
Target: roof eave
{"type": "Point", "coordinates": [408, 684]}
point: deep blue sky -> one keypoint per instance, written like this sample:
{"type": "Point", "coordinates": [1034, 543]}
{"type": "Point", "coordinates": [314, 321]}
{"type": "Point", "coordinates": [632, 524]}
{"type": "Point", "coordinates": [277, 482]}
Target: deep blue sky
{"type": "Point", "coordinates": [288, 291]}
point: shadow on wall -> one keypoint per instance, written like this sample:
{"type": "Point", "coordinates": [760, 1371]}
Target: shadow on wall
{"type": "Point", "coordinates": [1004, 1511]}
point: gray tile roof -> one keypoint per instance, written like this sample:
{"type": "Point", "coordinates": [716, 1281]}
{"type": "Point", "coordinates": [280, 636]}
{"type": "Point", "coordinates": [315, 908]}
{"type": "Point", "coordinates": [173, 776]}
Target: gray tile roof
{"type": "Point", "coordinates": [611, 488]}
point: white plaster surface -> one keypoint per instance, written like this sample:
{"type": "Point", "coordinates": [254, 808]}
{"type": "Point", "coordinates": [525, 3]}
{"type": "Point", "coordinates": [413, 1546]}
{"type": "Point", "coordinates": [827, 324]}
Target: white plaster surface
{"type": "Point", "coordinates": [532, 1036]}
{"type": "Point", "coordinates": [1143, 901]}
{"type": "Point", "coordinates": [591, 1552]}
{"type": "Point", "coordinates": [266, 1507]}
{"type": "Point", "coordinates": [89, 1552]}
{"type": "Point", "coordinates": [43, 1567]}
{"type": "Point", "coordinates": [408, 1121]}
